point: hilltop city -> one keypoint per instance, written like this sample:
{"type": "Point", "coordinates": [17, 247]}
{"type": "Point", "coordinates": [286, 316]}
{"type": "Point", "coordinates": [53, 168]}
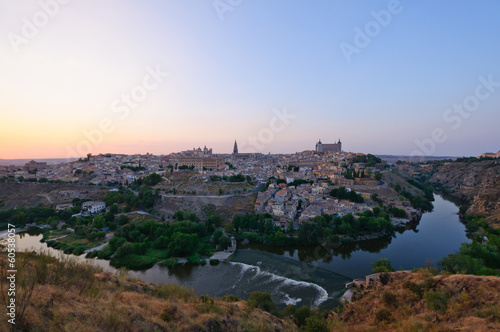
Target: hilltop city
{"type": "Point", "coordinates": [290, 187]}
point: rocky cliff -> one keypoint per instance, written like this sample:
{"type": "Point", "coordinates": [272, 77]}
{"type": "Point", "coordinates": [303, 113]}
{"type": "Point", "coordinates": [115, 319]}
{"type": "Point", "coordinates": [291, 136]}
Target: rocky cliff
{"type": "Point", "coordinates": [477, 183]}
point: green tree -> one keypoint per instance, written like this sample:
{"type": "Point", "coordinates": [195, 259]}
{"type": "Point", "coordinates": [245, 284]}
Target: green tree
{"type": "Point", "coordinates": [378, 176]}
{"type": "Point", "coordinates": [398, 213]}
{"type": "Point", "coordinates": [113, 209]}
{"type": "Point", "coordinates": [382, 265]}
{"type": "Point", "coordinates": [217, 235]}
{"type": "Point", "coordinates": [215, 220]}
{"type": "Point", "coordinates": [261, 300]}
{"type": "Point", "coordinates": [99, 222]}
{"type": "Point", "coordinates": [161, 242]}
{"type": "Point", "coordinates": [290, 310]}
{"type": "Point", "coordinates": [280, 237]}
{"type": "Point", "coordinates": [116, 243]}
{"type": "Point", "coordinates": [316, 324]}
{"type": "Point", "coordinates": [152, 179]}
{"type": "Point", "coordinates": [183, 244]}
{"type": "Point", "coordinates": [301, 315]}
{"type": "Point", "coordinates": [224, 242]}
{"type": "Point", "coordinates": [309, 232]}
{"type": "Point", "coordinates": [229, 228]}
{"type": "Point", "coordinates": [122, 220]}
{"type": "Point", "coordinates": [124, 250]}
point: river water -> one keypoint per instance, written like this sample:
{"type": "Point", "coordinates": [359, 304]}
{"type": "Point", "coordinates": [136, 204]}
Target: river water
{"type": "Point", "coordinates": [312, 276]}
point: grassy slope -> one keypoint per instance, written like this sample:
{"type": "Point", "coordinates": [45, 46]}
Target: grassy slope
{"type": "Point", "coordinates": [74, 297]}
{"type": "Point", "coordinates": [473, 305]}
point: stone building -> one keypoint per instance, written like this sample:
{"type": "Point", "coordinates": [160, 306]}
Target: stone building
{"type": "Point", "coordinates": [332, 148]}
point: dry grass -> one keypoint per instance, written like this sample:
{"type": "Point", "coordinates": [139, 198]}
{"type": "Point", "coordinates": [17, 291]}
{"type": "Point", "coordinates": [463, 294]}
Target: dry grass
{"type": "Point", "coordinates": [74, 297]}
{"type": "Point", "coordinates": [473, 304]}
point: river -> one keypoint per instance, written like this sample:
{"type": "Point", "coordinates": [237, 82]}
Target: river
{"type": "Point", "coordinates": [312, 276]}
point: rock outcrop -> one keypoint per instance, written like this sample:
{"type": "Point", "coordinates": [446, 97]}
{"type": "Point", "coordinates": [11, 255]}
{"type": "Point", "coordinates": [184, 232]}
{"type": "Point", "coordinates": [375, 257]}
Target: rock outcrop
{"type": "Point", "coordinates": [477, 183]}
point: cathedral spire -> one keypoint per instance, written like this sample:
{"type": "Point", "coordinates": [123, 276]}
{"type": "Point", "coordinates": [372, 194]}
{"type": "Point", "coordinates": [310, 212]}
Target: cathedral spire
{"type": "Point", "coordinates": [235, 149]}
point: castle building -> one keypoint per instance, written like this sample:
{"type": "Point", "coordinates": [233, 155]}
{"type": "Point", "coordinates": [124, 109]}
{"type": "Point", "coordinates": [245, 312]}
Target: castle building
{"type": "Point", "coordinates": [201, 163]}
{"type": "Point", "coordinates": [201, 159]}
{"type": "Point", "coordinates": [329, 148]}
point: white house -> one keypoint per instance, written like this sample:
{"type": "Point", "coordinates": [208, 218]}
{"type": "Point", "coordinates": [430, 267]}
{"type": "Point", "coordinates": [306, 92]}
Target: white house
{"type": "Point", "coordinates": [93, 207]}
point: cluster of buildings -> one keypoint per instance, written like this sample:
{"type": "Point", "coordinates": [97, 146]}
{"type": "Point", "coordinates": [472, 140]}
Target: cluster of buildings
{"type": "Point", "coordinates": [300, 203]}
{"type": "Point", "coordinates": [299, 189]}
{"type": "Point", "coordinates": [491, 155]}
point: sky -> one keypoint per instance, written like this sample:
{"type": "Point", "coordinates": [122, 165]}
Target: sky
{"type": "Point", "coordinates": [120, 76]}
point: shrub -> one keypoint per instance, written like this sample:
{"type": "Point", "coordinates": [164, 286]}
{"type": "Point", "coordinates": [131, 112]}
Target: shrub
{"type": "Point", "coordinates": [194, 259]}
{"type": "Point", "coordinates": [134, 262]}
{"type": "Point", "coordinates": [206, 299]}
{"type": "Point", "coordinates": [169, 313]}
{"type": "Point", "coordinates": [385, 278]}
{"type": "Point", "coordinates": [383, 315]}
{"type": "Point", "coordinates": [437, 302]}
{"type": "Point", "coordinates": [214, 262]}
{"type": "Point", "coordinates": [105, 252]}
{"type": "Point", "coordinates": [230, 298]}
{"type": "Point", "coordinates": [261, 300]}
{"type": "Point", "coordinates": [170, 262]}
{"type": "Point", "coordinates": [290, 310]}
{"type": "Point", "coordinates": [389, 299]}
{"type": "Point", "coordinates": [92, 254]}
{"type": "Point", "coordinates": [414, 288]}
{"type": "Point", "coordinates": [301, 315]}
{"type": "Point", "coordinates": [315, 324]}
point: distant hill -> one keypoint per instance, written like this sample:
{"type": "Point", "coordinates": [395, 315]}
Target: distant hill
{"type": "Point", "coordinates": [395, 158]}
{"type": "Point", "coordinates": [22, 162]}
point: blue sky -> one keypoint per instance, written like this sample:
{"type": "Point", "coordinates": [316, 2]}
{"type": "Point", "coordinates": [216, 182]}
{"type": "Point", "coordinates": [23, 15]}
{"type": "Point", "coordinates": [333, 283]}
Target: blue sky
{"type": "Point", "coordinates": [227, 77]}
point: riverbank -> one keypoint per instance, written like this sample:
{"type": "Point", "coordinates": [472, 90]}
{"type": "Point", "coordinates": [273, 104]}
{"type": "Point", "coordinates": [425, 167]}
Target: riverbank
{"type": "Point", "coordinates": [70, 296]}
{"type": "Point", "coordinates": [293, 274]}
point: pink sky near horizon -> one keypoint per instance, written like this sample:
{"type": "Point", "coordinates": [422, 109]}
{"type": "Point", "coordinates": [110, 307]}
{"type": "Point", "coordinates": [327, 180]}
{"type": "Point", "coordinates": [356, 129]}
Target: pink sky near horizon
{"type": "Point", "coordinates": [227, 77]}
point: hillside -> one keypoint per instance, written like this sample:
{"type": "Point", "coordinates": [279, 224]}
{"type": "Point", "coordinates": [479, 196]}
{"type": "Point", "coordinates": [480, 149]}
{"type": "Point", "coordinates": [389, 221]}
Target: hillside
{"type": "Point", "coordinates": [66, 296]}
{"type": "Point", "coordinates": [402, 304]}
{"type": "Point", "coordinates": [475, 182]}
{"type": "Point", "coordinates": [13, 195]}
{"type": "Point", "coordinates": [73, 297]}
{"type": "Point", "coordinates": [224, 206]}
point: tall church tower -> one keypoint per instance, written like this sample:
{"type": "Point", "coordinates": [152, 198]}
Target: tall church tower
{"type": "Point", "coordinates": [235, 149]}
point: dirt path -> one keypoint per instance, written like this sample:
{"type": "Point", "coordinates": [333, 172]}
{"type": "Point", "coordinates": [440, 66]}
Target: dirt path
{"type": "Point", "coordinates": [47, 197]}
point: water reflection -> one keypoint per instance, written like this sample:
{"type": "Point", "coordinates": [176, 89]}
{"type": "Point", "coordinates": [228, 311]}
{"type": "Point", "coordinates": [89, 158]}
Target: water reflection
{"type": "Point", "coordinates": [181, 272]}
{"type": "Point", "coordinates": [305, 275]}
{"type": "Point", "coordinates": [438, 234]}
{"type": "Point", "coordinates": [326, 253]}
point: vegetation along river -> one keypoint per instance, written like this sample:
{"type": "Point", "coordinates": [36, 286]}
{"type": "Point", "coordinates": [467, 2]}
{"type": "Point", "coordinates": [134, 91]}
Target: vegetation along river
{"type": "Point", "coordinates": [313, 276]}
